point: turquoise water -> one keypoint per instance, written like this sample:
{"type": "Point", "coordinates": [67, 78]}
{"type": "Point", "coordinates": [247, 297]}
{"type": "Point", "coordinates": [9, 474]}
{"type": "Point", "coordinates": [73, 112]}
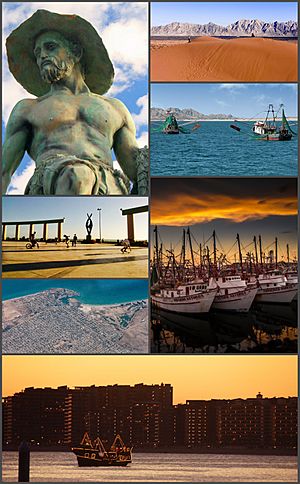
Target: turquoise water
{"type": "Point", "coordinates": [217, 150]}
{"type": "Point", "coordinates": [92, 291]}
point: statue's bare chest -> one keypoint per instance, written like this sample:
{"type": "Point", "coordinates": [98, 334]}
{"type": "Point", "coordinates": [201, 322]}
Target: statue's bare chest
{"type": "Point", "coordinates": [58, 111]}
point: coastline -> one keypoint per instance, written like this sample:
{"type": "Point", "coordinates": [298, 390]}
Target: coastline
{"type": "Point", "coordinates": [46, 323]}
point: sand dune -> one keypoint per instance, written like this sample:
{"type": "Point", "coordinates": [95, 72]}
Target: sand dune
{"type": "Point", "coordinates": [213, 59]}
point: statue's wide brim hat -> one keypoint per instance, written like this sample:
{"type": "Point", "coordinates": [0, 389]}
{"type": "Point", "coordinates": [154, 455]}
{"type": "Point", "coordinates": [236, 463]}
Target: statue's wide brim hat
{"type": "Point", "coordinates": [99, 71]}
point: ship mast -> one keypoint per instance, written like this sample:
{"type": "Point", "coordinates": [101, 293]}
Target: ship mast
{"type": "Point", "coordinates": [276, 252]}
{"type": "Point", "coordinates": [255, 247]}
{"type": "Point", "coordinates": [240, 252]}
{"type": "Point", "coordinates": [288, 253]}
{"type": "Point", "coordinates": [260, 251]}
{"type": "Point", "coordinates": [156, 247]}
{"type": "Point", "coordinates": [215, 249]}
{"type": "Point", "coordinates": [191, 249]}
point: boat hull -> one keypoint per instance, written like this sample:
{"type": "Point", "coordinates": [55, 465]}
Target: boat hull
{"type": "Point", "coordinates": [186, 305]}
{"type": "Point", "coordinates": [88, 462]}
{"type": "Point", "coordinates": [281, 295]}
{"type": "Point", "coordinates": [239, 301]}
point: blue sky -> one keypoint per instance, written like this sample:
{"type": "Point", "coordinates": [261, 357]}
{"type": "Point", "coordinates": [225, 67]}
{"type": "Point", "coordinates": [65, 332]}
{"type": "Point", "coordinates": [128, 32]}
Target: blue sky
{"type": "Point", "coordinates": [114, 21]}
{"type": "Point", "coordinates": [240, 100]}
{"type": "Point", "coordinates": [221, 13]}
{"type": "Point", "coordinates": [75, 209]}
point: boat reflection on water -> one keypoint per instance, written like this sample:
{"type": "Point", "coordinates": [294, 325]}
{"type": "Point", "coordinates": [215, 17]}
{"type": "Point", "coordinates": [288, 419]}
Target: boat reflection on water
{"type": "Point", "coordinates": [266, 328]}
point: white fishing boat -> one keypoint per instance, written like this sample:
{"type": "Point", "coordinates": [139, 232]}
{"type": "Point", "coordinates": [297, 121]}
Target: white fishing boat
{"type": "Point", "coordinates": [274, 287]}
{"type": "Point", "coordinates": [193, 297]}
{"type": "Point", "coordinates": [234, 294]}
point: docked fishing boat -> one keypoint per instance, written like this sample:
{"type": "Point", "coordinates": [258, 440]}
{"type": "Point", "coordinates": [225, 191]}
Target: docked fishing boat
{"type": "Point", "coordinates": [273, 287]}
{"type": "Point", "coordinates": [268, 129]}
{"type": "Point", "coordinates": [234, 294]}
{"type": "Point", "coordinates": [93, 453]}
{"type": "Point", "coordinates": [193, 297]}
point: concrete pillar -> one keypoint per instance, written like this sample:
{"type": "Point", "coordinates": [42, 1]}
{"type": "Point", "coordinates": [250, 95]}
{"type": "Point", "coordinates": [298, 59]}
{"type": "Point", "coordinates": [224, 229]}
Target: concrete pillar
{"type": "Point", "coordinates": [31, 230]}
{"type": "Point", "coordinates": [4, 227]}
{"type": "Point", "coordinates": [130, 227]}
{"type": "Point", "coordinates": [45, 232]}
{"type": "Point", "coordinates": [59, 230]}
{"type": "Point", "coordinates": [17, 234]}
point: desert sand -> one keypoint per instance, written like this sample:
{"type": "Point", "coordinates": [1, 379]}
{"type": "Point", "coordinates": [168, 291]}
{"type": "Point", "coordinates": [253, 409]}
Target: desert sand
{"type": "Point", "coordinates": [214, 59]}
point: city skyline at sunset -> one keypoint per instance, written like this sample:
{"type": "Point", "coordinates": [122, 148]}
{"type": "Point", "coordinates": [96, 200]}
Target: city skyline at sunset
{"type": "Point", "coordinates": [192, 377]}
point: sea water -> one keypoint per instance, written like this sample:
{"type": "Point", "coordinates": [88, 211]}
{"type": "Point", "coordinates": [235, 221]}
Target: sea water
{"type": "Point", "coordinates": [217, 150]}
{"type": "Point", "coordinates": [91, 291]}
{"type": "Point", "coordinates": [62, 467]}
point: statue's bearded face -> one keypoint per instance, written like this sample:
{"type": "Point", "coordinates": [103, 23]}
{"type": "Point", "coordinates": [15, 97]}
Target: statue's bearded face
{"type": "Point", "coordinates": [53, 56]}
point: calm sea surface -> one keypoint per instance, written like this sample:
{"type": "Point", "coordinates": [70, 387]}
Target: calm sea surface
{"type": "Point", "coordinates": [217, 150]}
{"type": "Point", "coordinates": [266, 328]}
{"type": "Point", "coordinates": [92, 291]}
{"type": "Point", "coordinates": [62, 467]}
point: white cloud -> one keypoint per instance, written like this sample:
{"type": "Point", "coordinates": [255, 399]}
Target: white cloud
{"type": "Point", "coordinates": [126, 39]}
{"type": "Point", "coordinates": [141, 118]}
{"type": "Point", "coordinates": [127, 44]}
{"type": "Point", "coordinates": [143, 139]}
{"type": "Point", "coordinates": [19, 181]}
{"type": "Point", "coordinates": [232, 87]}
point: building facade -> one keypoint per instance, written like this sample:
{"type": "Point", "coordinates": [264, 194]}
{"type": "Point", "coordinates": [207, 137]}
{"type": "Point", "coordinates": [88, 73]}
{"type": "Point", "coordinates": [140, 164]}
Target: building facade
{"type": "Point", "coordinates": [146, 418]}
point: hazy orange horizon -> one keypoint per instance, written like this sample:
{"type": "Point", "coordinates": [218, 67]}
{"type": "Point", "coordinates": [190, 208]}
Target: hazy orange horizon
{"type": "Point", "coordinates": [183, 209]}
{"type": "Point", "coordinates": [192, 377]}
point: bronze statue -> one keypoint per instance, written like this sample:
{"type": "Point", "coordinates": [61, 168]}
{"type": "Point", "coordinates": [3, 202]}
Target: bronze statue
{"type": "Point", "coordinates": [70, 129]}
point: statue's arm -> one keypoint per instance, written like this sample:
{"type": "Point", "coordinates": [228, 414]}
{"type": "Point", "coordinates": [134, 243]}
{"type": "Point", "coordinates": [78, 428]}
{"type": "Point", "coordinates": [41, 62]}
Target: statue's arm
{"type": "Point", "coordinates": [16, 139]}
{"type": "Point", "coordinates": [125, 145]}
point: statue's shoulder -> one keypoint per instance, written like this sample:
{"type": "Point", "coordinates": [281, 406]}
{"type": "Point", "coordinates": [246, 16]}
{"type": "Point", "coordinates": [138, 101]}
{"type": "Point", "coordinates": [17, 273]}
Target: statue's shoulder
{"type": "Point", "coordinates": [22, 108]}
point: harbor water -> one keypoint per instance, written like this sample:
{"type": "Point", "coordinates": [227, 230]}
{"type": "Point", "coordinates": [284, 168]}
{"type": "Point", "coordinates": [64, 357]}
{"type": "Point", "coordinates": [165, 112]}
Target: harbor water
{"type": "Point", "coordinates": [91, 291]}
{"type": "Point", "coordinates": [266, 328]}
{"type": "Point", "coordinates": [217, 150]}
{"type": "Point", "coordinates": [62, 467]}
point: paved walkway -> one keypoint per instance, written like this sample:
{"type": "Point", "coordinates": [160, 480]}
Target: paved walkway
{"type": "Point", "coordinates": [84, 260]}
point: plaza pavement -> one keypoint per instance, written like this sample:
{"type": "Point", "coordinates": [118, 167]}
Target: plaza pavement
{"type": "Point", "coordinates": [82, 261]}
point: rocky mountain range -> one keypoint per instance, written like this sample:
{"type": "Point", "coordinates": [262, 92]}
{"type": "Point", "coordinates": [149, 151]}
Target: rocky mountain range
{"type": "Point", "coordinates": [159, 114]}
{"type": "Point", "coordinates": [240, 28]}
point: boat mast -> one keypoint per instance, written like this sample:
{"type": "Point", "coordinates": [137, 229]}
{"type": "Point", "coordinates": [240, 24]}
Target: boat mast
{"type": "Point", "coordinates": [260, 251]}
{"type": "Point", "coordinates": [255, 247]}
{"type": "Point", "coordinates": [240, 252]}
{"type": "Point", "coordinates": [215, 250]}
{"type": "Point", "coordinates": [208, 261]}
{"type": "Point", "coordinates": [276, 252]}
{"type": "Point", "coordinates": [191, 249]}
{"type": "Point", "coordinates": [156, 247]}
{"type": "Point", "coordinates": [288, 253]}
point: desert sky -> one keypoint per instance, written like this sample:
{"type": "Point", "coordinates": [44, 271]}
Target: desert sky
{"type": "Point", "coordinates": [192, 377]}
{"type": "Point", "coordinates": [248, 206]}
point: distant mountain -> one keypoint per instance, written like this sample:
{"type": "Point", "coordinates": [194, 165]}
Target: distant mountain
{"type": "Point", "coordinates": [159, 114]}
{"type": "Point", "coordinates": [239, 28]}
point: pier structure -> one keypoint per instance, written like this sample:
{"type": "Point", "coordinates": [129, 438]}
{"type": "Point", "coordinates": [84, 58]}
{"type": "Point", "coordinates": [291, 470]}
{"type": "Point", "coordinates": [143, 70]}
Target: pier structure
{"type": "Point", "coordinates": [32, 223]}
{"type": "Point", "coordinates": [129, 212]}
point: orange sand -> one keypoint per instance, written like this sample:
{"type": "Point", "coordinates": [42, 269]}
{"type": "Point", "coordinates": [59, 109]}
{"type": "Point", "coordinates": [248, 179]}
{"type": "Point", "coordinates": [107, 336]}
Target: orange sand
{"type": "Point", "coordinates": [213, 59]}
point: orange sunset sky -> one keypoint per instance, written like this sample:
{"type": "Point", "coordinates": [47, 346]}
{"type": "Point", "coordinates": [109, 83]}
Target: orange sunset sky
{"type": "Point", "coordinates": [248, 206]}
{"type": "Point", "coordinates": [192, 377]}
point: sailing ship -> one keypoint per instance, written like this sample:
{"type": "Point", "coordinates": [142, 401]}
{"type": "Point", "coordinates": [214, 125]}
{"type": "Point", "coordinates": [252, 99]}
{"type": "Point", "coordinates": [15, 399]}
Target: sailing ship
{"type": "Point", "coordinates": [93, 453]}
